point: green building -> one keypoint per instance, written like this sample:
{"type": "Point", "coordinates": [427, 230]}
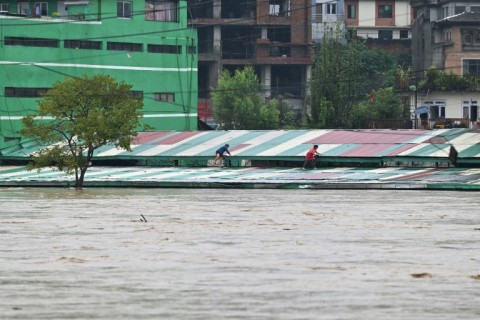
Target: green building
{"type": "Point", "coordinates": [144, 43]}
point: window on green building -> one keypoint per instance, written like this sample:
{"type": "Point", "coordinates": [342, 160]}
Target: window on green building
{"type": "Point", "coordinates": [31, 42]}
{"type": "Point", "coordinates": [20, 92]}
{"type": "Point", "coordinates": [164, 97]}
{"type": "Point", "coordinates": [41, 8]}
{"type": "Point", "coordinates": [156, 48]}
{"type": "Point", "coordinates": [82, 44]}
{"type": "Point", "coordinates": [137, 94]}
{"type": "Point", "coordinates": [3, 7]}
{"type": "Point", "coordinates": [124, 46]}
{"type": "Point", "coordinates": [124, 9]}
{"type": "Point", "coordinates": [165, 10]}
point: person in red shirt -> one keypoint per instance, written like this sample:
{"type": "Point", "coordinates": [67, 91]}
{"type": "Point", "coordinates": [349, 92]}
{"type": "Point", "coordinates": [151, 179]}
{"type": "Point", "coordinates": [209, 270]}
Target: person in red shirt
{"type": "Point", "coordinates": [311, 157]}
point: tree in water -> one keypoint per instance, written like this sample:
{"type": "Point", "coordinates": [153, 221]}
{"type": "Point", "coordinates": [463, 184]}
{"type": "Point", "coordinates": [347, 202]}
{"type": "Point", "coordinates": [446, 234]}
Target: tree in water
{"type": "Point", "coordinates": [78, 116]}
{"type": "Point", "coordinates": [238, 103]}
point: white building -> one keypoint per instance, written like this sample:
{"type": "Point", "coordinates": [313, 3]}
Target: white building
{"type": "Point", "coordinates": [379, 19]}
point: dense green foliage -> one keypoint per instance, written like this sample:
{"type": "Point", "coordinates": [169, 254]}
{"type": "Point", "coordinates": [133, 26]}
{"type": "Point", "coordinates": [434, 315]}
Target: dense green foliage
{"type": "Point", "coordinates": [238, 103]}
{"type": "Point", "coordinates": [381, 105]}
{"type": "Point", "coordinates": [343, 76]}
{"type": "Point", "coordinates": [78, 116]}
{"type": "Point", "coordinates": [440, 80]}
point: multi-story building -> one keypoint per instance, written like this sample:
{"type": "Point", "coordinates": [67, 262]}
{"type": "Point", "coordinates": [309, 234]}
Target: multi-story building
{"type": "Point", "coordinates": [379, 19]}
{"type": "Point", "coordinates": [384, 24]}
{"type": "Point", "coordinates": [144, 43]}
{"type": "Point", "coordinates": [326, 14]}
{"type": "Point", "coordinates": [273, 36]}
{"type": "Point", "coordinates": [446, 36]}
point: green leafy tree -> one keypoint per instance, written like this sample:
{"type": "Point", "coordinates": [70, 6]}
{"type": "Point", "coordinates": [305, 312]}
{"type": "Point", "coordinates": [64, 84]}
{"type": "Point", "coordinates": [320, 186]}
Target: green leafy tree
{"type": "Point", "coordinates": [342, 74]}
{"type": "Point", "coordinates": [333, 81]}
{"type": "Point", "coordinates": [238, 103]}
{"type": "Point", "coordinates": [385, 105]}
{"type": "Point", "coordinates": [78, 116]}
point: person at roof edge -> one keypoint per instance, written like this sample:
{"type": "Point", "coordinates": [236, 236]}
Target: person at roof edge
{"type": "Point", "coordinates": [311, 158]}
{"type": "Point", "coordinates": [221, 154]}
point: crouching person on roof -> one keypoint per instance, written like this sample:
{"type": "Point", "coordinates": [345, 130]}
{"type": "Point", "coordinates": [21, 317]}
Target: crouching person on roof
{"type": "Point", "coordinates": [221, 154]}
{"type": "Point", "coordinates": [311, 158]}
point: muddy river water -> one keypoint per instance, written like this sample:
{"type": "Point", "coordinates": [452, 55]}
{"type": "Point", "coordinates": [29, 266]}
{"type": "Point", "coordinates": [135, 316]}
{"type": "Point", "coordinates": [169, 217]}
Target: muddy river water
{"type": "Point", "coordinates": [239, 254]}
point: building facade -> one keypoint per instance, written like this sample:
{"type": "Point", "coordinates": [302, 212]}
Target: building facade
{"type": "Point", "coordinates": [144, 43]}
{"type": "Point", "coordinates": [446, 36]}
{"type": "Point", "coordinates": [326, 14]}
{"type": "Point", "coordinates": [273, 36]}
{"type": "Point", "coordinates": [384, 24]}
{"type": "Point", "coordinates": [379, 19]}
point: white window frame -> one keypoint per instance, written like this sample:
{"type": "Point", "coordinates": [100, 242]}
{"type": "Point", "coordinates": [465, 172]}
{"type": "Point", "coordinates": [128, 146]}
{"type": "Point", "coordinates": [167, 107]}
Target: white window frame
{"type": "Point", "coordinates": [43, 8]}
{"type": "Point", "coordinates": [331, 8]}
{"type": "Point", "coordinates": [440, 104]}
{"type": "Point", "coordinates": [24, 8]}
{"type": "Point", "coordinates": [161, 10]}
{"type": "Point", "coordinates": [121, 14]}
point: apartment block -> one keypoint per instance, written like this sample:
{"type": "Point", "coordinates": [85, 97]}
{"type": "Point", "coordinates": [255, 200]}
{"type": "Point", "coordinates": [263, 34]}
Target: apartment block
{"type": "Point", "coordinates": [327, 14]}
{"type": "Point", "coordinates": [446, 36]}
{"type": "Point", "coordinates": [379, 19]}
{"type": "Point", "coordinates": [273, 36]}
{"type": "Point", "coordinates": [384, 24]}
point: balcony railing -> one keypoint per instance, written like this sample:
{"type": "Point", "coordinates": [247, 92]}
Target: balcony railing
{"type": "Point", "coordinates": [441, 82]}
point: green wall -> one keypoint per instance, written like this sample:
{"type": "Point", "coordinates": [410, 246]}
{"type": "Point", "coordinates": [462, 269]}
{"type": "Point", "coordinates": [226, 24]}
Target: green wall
{"type": "Point", "coordinates": [41, 67]}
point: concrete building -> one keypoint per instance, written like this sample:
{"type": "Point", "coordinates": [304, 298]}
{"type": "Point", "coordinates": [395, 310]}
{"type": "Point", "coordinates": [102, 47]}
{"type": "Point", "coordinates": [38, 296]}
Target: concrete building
{"type": "Point", "coordinates": [379, 19]}
{"type": "Point", "coordinates": [273, 36]}
{"type": "Point", "coordinates": [384, 25]}
{"type": "Point", "coordinates": [144, 43]}
{"type": "Point", "coordinates": [445, 36]}
{"type": "Point", "coordinates": [326, 13]}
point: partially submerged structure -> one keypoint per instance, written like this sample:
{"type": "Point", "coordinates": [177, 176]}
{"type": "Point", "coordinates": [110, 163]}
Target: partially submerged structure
{"type": "Point", "coordinates": [287, 148]}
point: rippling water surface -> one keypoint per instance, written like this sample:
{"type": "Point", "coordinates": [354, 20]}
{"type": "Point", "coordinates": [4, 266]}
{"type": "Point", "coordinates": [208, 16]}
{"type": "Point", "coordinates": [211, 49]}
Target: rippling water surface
{"type": "Point", "coordinates": [239, 254]}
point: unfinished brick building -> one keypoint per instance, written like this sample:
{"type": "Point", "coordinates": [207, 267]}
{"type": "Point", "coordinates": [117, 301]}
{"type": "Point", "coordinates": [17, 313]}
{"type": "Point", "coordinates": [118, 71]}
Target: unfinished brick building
{"type": "Point", "coordinates": [273, 36]}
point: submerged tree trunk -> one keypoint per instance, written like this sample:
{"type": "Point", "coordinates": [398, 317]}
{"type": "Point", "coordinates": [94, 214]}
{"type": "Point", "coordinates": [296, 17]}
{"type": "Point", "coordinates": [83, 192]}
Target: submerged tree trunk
{"type": "Point", "coordinates": [80, 178]}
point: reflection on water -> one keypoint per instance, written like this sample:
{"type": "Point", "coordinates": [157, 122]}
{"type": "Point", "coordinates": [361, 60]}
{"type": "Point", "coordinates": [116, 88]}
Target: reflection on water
{"type": "Point", "coordinates": [238, 254]}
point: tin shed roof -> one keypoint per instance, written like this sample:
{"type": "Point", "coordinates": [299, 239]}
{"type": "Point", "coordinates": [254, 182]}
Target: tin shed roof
{"type": "Point", "coordinates": [397, 145]}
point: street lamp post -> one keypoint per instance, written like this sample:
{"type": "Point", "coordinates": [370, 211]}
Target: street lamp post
{"type": "Point", "coordinates": [415, 92]}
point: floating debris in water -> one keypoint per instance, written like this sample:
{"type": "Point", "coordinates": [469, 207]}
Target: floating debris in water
{"type": "Point", "coordinates": [422, 275]}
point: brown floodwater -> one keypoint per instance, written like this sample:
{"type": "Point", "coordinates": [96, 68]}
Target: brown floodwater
{"type": "Point", "coordinates": [239, 254]}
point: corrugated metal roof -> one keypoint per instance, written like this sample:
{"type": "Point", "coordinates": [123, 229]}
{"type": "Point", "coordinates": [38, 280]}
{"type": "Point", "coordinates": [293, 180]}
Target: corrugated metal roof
{"type": "Point", "coordinates": [292, 144]}
{"type": "Point", "coordinates": [252, 177]}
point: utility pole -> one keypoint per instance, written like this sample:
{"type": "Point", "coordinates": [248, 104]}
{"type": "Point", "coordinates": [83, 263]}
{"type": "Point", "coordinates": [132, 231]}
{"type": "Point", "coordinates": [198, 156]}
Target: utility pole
{"type": "Point", "coordinates": [414, 88]}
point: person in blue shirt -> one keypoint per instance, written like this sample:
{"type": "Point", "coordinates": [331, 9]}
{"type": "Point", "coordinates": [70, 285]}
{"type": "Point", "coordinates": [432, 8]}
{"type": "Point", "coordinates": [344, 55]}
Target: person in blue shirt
{"type": "Point", "coordinates": [220, 154]}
